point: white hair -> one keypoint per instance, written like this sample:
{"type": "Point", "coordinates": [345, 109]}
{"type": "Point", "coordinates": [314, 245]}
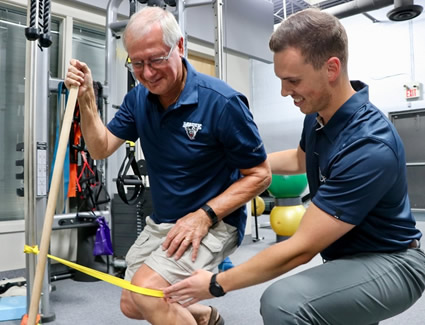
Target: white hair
{"type": "Point", "coordinates": [141, 23]}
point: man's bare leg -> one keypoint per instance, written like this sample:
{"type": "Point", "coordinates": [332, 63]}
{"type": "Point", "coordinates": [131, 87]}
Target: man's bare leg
{"type": "Point", "coordinates": [157, 310]}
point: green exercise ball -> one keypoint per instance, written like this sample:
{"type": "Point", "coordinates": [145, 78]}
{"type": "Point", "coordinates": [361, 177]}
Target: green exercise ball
{"type": "Point", "coordinates": [284, 186]}
{"type": "Point", "coordinates": [285, 220]}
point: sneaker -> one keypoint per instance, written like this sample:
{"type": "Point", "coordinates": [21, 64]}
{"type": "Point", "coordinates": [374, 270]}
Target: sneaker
{"type": "Point", "coordinates": [225, 265]}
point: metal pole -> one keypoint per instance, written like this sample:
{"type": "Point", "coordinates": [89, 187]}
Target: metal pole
{"type": "Point", "coordinates": [110, 92]}
{"type": "Point", "coordinates": [111, 16]}
{"type": "Point", "coordinates": [35, 149]}
{"type": "Point", "coordinates": [181, 13]}
{"type": "Point", "coordinates": [41, 163]}
{"type": "Point", "coordinates": [218, 44]}
{"type": "Point", "coordinates": [29, 162]}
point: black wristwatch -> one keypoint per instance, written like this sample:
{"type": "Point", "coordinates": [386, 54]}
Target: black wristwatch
{"type": "Point", "coordinates": [211, 214]}
{"type": "Point", "coordinates": [215, 289]}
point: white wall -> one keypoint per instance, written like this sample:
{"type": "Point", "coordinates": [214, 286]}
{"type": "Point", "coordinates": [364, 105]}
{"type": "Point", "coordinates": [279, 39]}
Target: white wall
{"type": "Point", "coordinates": [387, 55]}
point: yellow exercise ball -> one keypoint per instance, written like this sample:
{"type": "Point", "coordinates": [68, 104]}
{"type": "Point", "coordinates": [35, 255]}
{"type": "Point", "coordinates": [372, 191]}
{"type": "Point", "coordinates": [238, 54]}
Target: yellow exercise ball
{"type": "Point", "coordinates": [285, 220]}
{"type": "Point", "coordinates": [261, 206]}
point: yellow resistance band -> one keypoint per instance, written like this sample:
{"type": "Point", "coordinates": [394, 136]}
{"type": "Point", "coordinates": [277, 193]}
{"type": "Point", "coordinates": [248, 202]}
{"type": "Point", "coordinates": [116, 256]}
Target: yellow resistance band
{"type": "Point", "coordinates": [100, 275]}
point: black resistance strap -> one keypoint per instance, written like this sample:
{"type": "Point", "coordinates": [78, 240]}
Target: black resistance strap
{"type": "Point", "coordinates": [130, 180]}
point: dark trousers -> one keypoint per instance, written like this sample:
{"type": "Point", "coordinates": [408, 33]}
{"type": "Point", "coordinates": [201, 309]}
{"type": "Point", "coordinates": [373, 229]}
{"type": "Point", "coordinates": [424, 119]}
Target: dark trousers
{"type": "Point", "coordinates": [358, 290]}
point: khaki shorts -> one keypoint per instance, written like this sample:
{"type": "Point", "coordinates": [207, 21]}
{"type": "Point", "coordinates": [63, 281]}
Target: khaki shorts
{"type": "Point", "coordinates": [219, 243]}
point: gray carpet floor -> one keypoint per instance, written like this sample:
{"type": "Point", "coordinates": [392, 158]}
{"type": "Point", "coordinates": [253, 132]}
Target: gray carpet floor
{"type": "Point", "coordinates": [97, 303]}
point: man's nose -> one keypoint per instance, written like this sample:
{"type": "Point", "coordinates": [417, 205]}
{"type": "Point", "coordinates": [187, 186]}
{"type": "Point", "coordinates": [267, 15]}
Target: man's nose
{"type": "Point", "coordinates": [285, 90]}
{"type": "Point", "coordinates": [147, 71]}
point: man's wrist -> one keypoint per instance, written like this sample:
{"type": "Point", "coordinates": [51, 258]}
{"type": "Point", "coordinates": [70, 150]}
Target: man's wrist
{"type": "Point", "coordinates": [211, 214]}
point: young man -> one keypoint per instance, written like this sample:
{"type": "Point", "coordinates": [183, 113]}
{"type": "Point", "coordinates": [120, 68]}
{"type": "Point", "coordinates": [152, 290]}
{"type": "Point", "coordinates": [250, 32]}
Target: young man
{"type": "Point", "coordinates": [359, 219]}
{"type": "Point", "coordinates": [198, 138]}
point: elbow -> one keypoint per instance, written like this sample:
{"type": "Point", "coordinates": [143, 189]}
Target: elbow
{"type": "Point", "coordinates": [266, 178]}
{"type": "Point", "coordinates": [307, 257]}
{"type": "Point", "coordinates": [96, 154]}
{"type": "Point", "coordinates": [307, 253]}
{"type": "Point", "coordinates": [263, 182]}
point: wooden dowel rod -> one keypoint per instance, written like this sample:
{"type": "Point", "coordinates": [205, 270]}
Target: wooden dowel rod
{"type": "Point", "coordinates": [51, 205]}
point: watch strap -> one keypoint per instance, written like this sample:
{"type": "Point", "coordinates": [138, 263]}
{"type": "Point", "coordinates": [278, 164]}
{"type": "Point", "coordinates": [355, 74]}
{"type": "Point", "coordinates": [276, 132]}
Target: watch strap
{"type": "Point", "coordinates": [211, 214]}
{"type": "Point", "coordinates": [215, 288]}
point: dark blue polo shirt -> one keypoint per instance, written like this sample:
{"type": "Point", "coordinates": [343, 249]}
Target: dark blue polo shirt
{"type": "Point", "coordinates": [195, 148]}
{"type": "Point", "coordinates": [356, 171]}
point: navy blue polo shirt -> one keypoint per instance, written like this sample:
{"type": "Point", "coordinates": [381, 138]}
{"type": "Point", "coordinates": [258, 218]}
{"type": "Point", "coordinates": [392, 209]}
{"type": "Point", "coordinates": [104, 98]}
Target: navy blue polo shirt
{"type": "Point", "coordinates": [195, 148]}
{"type": "Point", "coordinates": [356, 171]}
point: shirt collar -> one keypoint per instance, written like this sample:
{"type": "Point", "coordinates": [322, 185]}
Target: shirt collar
{"type": "Point", "coordinates": [189, 94]}
{"type": "Point", "coordinates": [338, 121]}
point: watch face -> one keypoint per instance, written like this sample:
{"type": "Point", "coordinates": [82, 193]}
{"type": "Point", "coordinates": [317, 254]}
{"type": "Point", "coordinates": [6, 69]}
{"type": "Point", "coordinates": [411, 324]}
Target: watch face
{"type": "Point", "coordinates": [215, 289]}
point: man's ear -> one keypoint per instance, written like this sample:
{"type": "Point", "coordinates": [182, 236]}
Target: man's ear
{"type": "Point", "coordinates": [334, 68]}
{"type": "Point", "coordinates": [180, 45]}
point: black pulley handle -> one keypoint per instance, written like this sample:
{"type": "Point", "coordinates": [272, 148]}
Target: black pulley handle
{"type": "Point", "coordinates": [32, 32]}
{"type": "Point", "coordinates": [39, 29]}
{"type": "Point", "coordinates": [123, 179]}
{"type": "Point", "coordinates": [46, 38]}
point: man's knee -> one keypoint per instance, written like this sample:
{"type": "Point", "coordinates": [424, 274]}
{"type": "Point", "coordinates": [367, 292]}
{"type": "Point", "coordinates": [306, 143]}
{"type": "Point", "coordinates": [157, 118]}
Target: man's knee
{"type": "Point", "coordinates": [129, 308]}
{"type": "Point", "coordinates": [279, 305]}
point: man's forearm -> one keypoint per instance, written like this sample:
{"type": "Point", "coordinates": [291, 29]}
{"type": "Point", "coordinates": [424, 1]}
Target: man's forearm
{"type": "Point", "coordinates": [287, 162]}
{"type": "Point", "coordinates": [92, 127]}
{"type": "Point", "coordinates": [253, 183]}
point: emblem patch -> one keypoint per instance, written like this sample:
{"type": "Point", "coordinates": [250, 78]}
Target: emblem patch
{"type": "Point", "coordinates": [191, 129]}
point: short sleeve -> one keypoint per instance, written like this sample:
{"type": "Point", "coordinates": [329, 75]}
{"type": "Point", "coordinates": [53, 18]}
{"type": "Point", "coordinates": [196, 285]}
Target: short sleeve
{"type": "Point", "coordinates": [123, 123]}
{"type": "Point", "coordinates": [239, 135]}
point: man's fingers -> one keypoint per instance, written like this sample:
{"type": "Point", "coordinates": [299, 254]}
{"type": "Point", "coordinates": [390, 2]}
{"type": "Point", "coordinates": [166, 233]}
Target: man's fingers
{"type": "Point", "coordinates": [190, 302]}
{"type": "Point", "coordinates": [73, 80]}
{"type": "Point", "coordinates": [171, 290]}
{"type": "Point", "coordinates": [195, 249]}
{"type": "Point", "coordinates": [166, 243]}
{"type": "Point", "coordinates": [184, 244]}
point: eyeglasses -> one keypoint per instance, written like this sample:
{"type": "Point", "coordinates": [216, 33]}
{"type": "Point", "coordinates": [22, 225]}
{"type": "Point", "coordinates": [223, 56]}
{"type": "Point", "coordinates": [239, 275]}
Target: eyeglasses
{"type": "Point", "coordinates": [152, 63]}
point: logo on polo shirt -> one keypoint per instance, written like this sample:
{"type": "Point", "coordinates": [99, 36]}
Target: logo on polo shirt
{"type": "Point", "coordinates": [322, 177]}
{"type": "Point", "coordinates": [191, 129]}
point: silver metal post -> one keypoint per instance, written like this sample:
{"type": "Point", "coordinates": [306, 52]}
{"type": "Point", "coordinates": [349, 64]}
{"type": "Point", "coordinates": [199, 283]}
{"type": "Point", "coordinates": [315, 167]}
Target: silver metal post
{"type": "Point", "coordinates": [41, 165]}
{"type": "Point", "coordinates": [110, 92]}
{"type": "Point", "coordinates": [218, 44]}
{"type": "Point", "coordinates": [181, 12]}
{"type": "Point", "coordinates": [35, 157]}
{"type": "Point", "coordinates": [29, 164]}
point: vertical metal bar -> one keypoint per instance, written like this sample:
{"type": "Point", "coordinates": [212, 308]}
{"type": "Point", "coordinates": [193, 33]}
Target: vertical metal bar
{"type": "Point", "coordinates": [218, 44]}
{"type": "Point", "coordinates": [412, 51]}
{"type": "Point", "coordinates": [41, 137]}
{"type": "Point", "coordinates": [111, 16]}
{"type": "Point", "coordinates": [110, 92]}
{"type": "Point", "coordinates": [29, 161]}
{"type": "Point", "coordinates": [181, 12]}
{"type": "Point", "coordinates": [254, 201]}
{"type": "Point", "coordinates": [35, 131]}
